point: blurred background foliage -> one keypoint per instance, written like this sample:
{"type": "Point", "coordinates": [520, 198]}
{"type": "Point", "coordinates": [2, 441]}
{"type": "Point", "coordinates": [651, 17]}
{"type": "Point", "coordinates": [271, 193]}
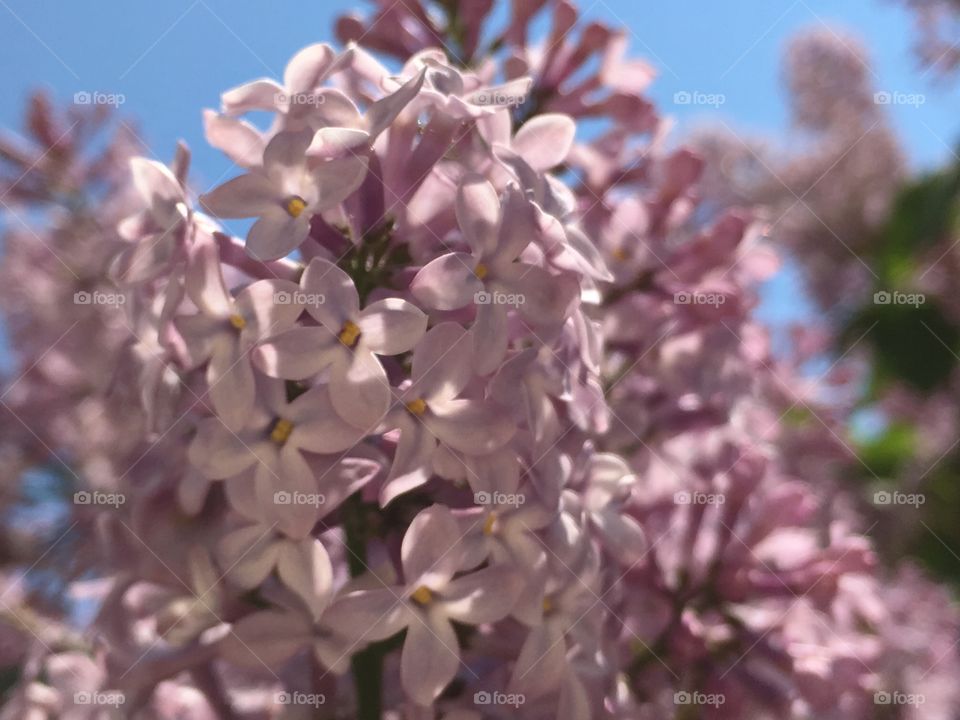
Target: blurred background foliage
{"type": "Point", "coordinates": [916, 350]}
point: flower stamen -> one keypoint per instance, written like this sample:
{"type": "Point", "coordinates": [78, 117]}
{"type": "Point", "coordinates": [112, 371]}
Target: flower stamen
{"type": "Point", "coordinates": [238, 321]}
{"type": "Point", "coordinates": [349, 334]}
{"type": "Point", "coordinates": [481, 271]}
{"type": "Point", "coordinates": [418, 407]}
{"type": "Point", "coordinates": [282, 430]}
{"type": "Point", "coordinates": [295, 206]}
{"type": "Point", "coordinates": [489, 524]}
{"type": "Point", "coordinates": [422, 595]}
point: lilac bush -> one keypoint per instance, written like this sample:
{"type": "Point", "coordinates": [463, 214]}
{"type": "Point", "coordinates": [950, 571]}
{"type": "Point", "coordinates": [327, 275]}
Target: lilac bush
{"type": "Point", "coordinates": [474, 422]}
{"type": "Point", "coordinates": [935, 23]}
{"type": "Point", "coordinates": [874, 241]}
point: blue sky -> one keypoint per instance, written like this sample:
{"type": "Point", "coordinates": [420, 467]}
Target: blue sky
{"type": "Point", "coordinates": [171, 59]}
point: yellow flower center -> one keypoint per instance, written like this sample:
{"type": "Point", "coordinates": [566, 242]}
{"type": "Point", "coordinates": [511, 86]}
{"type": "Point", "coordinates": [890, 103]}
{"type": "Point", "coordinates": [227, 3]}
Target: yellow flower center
{"type": "Point", "coordinates": [281, 431]}
{"type": "Point", "coordinates": [296, 205]}
{"type": "Point", "coordinates": [489, 524]}
{"type": "Point", "coordinates": [349, 334]}
{"type": "Point", "coordinates": [547, 604]}
{"type": "Point", "coordinates": [422, 595]}
{"type": "Point", "coordinates": [238, 321]}
{"type": "Point", "coordinates": [481, 271]}
{"type": "Point", "coordinates": [417, 407]}
{"type": "Point", "coordinates": [620, 254]}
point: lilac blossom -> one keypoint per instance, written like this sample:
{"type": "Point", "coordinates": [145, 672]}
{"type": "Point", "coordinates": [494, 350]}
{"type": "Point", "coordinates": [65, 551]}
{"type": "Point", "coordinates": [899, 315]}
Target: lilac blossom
{"type": "Point", "coordinates": [227, 328]}
{"type": "Point", "coordinates": [497, 236]}
{"type": "Point", "coordinates": [348, 341]}
{"type": "Point", "coordinates": [305, 73]}
{"type": "Point", "coordinates": [158, 229]}
{"type": "Point", "coordinates": [334, 460]}
{"type": "Point", "coordinates": [285, 193]}
{"type": "Point", "coordinates": [428, 601]}
{"type": "Point", "coordinates": [432, 413]}
{"type": "Point", "coordinates": [264, 461]}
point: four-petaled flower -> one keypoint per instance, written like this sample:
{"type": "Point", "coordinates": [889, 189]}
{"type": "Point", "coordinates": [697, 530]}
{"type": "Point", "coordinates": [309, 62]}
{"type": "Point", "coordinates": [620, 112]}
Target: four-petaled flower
{"type": "Point", "coordinates": [265, 460]}
{"type": "Point", "coordinates": [432, 411]}
{"type": "Point", "coordinates": [432, 597]}
{"type": "Point", "coordinates": [491, 275]}
{"type": "Point", "coordinates": [226, 328]}
{"type": "Point", "coordinates": [347, 340]}
{"type": "Point", "coordinates": [285, 192]}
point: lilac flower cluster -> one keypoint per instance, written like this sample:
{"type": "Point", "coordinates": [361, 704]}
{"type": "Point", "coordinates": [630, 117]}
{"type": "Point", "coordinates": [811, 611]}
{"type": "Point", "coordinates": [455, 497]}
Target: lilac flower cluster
{"type": "Point", "coordinates": [935, 22]}
{"type": "Point", "coordinates": [826, 201]}
{"type": "Point", "coordinates": [473, 424]}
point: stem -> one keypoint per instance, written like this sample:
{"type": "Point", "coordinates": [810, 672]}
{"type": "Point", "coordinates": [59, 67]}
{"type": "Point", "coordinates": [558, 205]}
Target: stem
{"type": "Point", "coordinates": [232, 252]}
{"type": "Point", "coordinates": [367, 664]}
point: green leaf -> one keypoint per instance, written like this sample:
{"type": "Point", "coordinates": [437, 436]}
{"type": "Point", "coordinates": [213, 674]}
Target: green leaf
{"type": "Point", "coordinates": [924, 213]}
{"type": "Point", "coordinates": [885, 454]}
{"type": "Point", "coordinates": [914, 345]}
